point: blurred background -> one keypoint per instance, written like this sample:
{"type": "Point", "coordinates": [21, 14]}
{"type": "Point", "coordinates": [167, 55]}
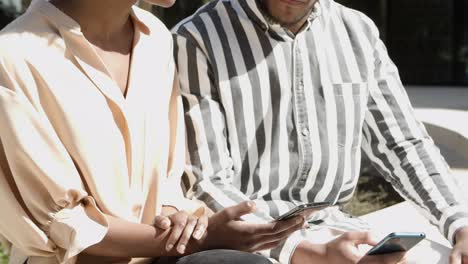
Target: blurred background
{"type": "Point", "coordinates": [428, 41]}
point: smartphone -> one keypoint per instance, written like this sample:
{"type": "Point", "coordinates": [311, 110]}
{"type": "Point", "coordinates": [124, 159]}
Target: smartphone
{"type": "Point", "coordinates": [304, 209]}
{"type": "Point", "coordinates": [396, 242]}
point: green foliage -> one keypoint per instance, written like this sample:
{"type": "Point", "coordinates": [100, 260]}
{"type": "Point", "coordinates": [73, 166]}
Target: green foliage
{"type": "Point", "coordinates": [373, 193]}
{"type": "Point", "coordinates": [3, 257]}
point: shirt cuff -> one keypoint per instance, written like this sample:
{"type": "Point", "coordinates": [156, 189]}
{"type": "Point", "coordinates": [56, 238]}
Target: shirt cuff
{"type": "Point", "coordinates": [289, 247]}
{"type": "Point", "coordinates": [452, 220]}
{"type": "Point", "coordinates": [75, 229]}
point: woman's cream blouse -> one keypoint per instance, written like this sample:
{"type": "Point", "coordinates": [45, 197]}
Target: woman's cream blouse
{"type": "Point", "coordinates": [73, 149]}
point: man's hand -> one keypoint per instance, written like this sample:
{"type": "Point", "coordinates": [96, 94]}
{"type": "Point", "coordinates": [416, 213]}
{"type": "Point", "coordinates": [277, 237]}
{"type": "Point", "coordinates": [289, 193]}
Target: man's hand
{"type": "Point", "coordinates": [225, 230]}
{"type": "Point", "coordinates": [343, 250]}
{"type": "Point", "coordinates": [460, 249]}
{"type": "Point", "coordinates": [184, 226]}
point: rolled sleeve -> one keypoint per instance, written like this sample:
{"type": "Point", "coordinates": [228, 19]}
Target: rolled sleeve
{"type": "Point", "coordinates": [73, 230]}
{"type": "Point", "coordinates": [290, 246]}
{"type": "Point", "coordinates": [452, 220]}
{"type": "Point", "coordinates": [49, 212]}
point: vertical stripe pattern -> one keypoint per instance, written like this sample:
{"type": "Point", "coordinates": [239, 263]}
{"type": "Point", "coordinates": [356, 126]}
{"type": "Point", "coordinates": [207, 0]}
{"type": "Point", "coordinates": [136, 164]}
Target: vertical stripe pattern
{"type": "Point", "coordinates": [282, 119]}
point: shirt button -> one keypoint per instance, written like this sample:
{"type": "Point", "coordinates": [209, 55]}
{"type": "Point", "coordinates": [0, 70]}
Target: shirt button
{"type": "Point", "coordinates": [305, 132]}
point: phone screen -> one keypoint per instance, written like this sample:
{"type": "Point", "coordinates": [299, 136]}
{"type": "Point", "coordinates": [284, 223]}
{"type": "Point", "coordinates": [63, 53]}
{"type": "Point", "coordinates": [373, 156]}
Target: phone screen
{"type": "Point", "coordinates": [396, 242]}
{"type": "Point", "coordinates": [304, 209]}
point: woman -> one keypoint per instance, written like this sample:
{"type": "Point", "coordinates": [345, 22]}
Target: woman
{"type": "Point", "coordinates": [92, 143]}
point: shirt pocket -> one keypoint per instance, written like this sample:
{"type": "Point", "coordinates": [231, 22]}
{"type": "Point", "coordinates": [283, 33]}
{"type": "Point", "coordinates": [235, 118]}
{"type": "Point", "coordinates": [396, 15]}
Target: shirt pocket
{"type": "Point", "coordinates": [351, 104]}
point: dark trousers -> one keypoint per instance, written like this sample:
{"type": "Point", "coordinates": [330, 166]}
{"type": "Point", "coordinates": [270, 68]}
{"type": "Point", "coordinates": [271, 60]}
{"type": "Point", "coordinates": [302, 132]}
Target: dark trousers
{"type": "Point", "coordinates": [217, 256]}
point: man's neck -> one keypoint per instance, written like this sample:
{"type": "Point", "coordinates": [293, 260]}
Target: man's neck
{"type": "Point", "coordinates": [299, 25]}
{"type": "Point", "coordinates": [101, 20]}
{"type": "Point", "coordinates": [294, 27]}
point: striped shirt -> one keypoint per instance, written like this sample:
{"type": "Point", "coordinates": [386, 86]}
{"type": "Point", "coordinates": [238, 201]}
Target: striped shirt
{"type": "Point", "coordinates": [281, 119]}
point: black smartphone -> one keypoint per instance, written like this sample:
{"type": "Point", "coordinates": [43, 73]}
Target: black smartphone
{"type": "Point", "coordinates": [304, 209]}
{"type": "Point", "coordinates": [396, 242]}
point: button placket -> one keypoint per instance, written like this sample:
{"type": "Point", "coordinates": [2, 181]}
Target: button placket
{"type": "Point", "coordinates": [302, 121]}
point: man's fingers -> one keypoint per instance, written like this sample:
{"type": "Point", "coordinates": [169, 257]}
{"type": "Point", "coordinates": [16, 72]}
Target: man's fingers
{"type": "Point", "coordinates": [201, 227]}
{"type": "Point", "coordinates": [268, 245]}
{"type": "Point", "coordinates": [392, 258]}
{"type": "Point", "coordinates": [464, 259]}
{"type": "Point", "coordinates": [455, 257]}
{"type": "Point", "coordinates": [359, 238]}
{"type": "Point", "coordinates": [290, 224]}
{"type": "Point", "coordinates": [279, 226]}
{"type": "Point", "coordinates": [162, 222]}
{"type": "Point", "coordinates": [282, 235]}
{"type": "Point", "coordinates": [266, 236]}
{"type": "Point", "coordinates": [177, 229]}
{"type": "Point", "coordinates": [187, 234]}
{"type": "Point", "coordinates": [235, 212]}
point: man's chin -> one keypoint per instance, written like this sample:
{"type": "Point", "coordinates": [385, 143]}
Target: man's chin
{"type": "Point", "coordinates": [291, 20]}
{"type": "Point", "coordinates": [287, 23]}
{"type": "Point", "coordinates": [161, 3]}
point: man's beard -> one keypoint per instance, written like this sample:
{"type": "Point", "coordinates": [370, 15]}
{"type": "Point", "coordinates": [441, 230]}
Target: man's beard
{"type": "Point", "coordinates": [274, 20]}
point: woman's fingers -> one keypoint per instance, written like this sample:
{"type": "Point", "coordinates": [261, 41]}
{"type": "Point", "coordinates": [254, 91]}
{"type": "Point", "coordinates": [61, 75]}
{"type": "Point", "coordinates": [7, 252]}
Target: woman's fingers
{"type": "Point", "coordinates": [179, 222]}
{"type": "Point", "coordinates": [201, 227]}
{"type": "Point", "coordinates": [184, 226]}
{"type": "Point", "coordinates": [186, 234]}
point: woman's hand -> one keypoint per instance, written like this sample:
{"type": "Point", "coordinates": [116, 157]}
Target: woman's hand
{"type": "Point", "coordinates": [184, 226]}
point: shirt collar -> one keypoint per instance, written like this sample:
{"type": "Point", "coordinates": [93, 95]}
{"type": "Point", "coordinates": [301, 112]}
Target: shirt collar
{"type": "Point", "coordinates": [63, 21]}
{"type": "Point", "coordinates": [255, 13]}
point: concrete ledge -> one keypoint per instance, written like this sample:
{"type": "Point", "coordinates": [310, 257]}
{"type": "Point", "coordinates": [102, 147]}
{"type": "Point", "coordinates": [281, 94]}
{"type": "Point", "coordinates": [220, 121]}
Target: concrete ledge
{"type": "Point", "coordinates": [449, 129]}
{"type": "Point", "coordinates": [438, 97]}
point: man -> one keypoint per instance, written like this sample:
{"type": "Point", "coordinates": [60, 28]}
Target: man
{"type": "Point", "coordinates": [280, 98]}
